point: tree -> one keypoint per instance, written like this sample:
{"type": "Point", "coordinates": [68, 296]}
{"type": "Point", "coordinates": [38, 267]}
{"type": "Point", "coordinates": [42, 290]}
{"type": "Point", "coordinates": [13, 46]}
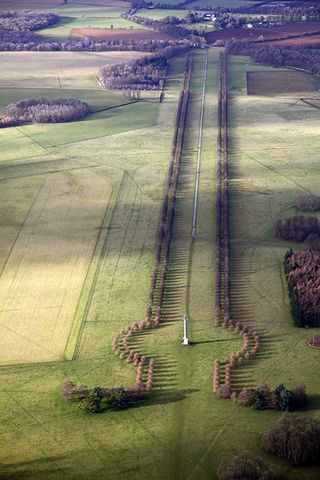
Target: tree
{"type": "Point", "coordinates": [245, 466]}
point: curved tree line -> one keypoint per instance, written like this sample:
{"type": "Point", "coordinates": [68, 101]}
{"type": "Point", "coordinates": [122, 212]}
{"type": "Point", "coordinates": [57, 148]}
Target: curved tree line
{"type": "Point", "coordinates": [121, 344]}
{"type": "Point", "coordinates": [251, 340]}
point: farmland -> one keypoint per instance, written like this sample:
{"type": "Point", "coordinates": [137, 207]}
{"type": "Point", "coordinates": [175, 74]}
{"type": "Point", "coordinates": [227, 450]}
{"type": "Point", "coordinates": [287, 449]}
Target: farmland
{"type": "Point", "coordinates": [281, 31]}
{"type": "Point", "coordinates": [80, 209]}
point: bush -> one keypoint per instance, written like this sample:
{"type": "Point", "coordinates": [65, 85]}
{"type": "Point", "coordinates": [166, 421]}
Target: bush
{"type": "Point", "coordinates": [294, 438]}
{"type": "Point", "coordinates": [245, 466]}
{"type": "Point", "coordinates": [309, 203]}
{"type": "Point", "coordinates": [44, 110]}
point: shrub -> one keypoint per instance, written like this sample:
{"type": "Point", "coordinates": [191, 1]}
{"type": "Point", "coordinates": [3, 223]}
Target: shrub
{"type": "Point", "coordinates": [44, 110]}
{"type": "Point", "coordinates": [309, 203]}
{"type": "Point", "coordinates": [294, 438]}
{"type": "Point", "coordinates": [300, 397]}
{"type": "Point", "coordinates": [245, 466]}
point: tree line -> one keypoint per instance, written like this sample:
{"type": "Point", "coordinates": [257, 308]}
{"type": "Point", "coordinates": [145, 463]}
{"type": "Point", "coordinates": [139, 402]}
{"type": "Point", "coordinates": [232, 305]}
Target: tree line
{"type": "Point", "coordinates": [299, 229]}
{"type": "Point", "coordinates": [44, 110]}
{"type": "Point", "coordinates": [278, 56]}
{"type": "Point", "coordinates": [302, 271]}
{"type": "Point", "coordinates": [223, 314]}
{"type": "Point", "coordinates": [27, 41]}
{"type": "Point", "coordinates": [167, 25]}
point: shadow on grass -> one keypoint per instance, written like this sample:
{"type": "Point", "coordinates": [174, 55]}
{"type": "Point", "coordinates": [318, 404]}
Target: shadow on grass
{"type": "Point", "coordinates": [31, 469]}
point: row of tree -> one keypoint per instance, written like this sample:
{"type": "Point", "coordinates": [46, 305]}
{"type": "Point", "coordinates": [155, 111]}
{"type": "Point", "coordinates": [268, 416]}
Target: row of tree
{"type": "Point", "coordinates": [167, 25]}
{"type": "Point", "coordinates": [25, 20]}
{"type": "Point", "coordinates": [302, 271]}
{"type": "Point", "coordinates": [147, 73]}
{"type": "Point", "coordinates": [44, 110]}
{"type": "Point", "coordinates": [262, 398]}
{"type": "Point", "coordinates": [27, 41]}
{"type": "Point", "coordinates": [223, 316]}
{"type": "Point", "coordinates": [278, 56]}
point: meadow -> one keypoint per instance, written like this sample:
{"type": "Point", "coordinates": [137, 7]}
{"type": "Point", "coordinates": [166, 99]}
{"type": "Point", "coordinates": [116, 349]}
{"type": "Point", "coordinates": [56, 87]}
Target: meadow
{"type": "Point", "coordinates": [87, 16]}
{"type": "Point", "coordinates": [79, 215]}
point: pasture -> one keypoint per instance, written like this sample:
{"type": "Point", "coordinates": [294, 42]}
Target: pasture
{"type": "Point", "coordinates": [79, 214]}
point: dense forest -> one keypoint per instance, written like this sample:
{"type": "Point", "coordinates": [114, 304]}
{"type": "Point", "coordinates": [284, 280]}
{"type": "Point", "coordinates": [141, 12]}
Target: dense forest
{"type": "Point", "coordinates": [44, 110]}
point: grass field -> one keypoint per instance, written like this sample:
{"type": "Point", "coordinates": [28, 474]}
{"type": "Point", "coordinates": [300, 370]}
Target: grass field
{"type": "Point", "coordinates": [86, 16]}
{"type": "Point", "coordinates": [183, 431]}
{"type": "Point", "coordinates": [57, 69]}
{"type": "Point", "coordinates": [41, 281]}
{"type": "Point", "coordinates": [28, 4]}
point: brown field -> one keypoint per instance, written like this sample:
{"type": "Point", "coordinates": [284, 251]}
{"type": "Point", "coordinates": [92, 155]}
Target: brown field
{"type": "Point", "coordinates": [99, 34]}
{"type": "Point", "coordinates": [267, 33]}
{"type": "Point", "coordinates": [27, 4]}
{"type": "Point", "coordinates": [102, 3]}
{"type": "Point", "coordinates": [42, 279]}
{"type": "Point", "coordinates": [298, 41]}
{"type": "Point", "coordinates": [280, 83]}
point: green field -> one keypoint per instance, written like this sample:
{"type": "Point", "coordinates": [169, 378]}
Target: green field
{"type": "Point", "coordinates": [86, 16]}
{"type": "Point", "coordinates": [118, 157]}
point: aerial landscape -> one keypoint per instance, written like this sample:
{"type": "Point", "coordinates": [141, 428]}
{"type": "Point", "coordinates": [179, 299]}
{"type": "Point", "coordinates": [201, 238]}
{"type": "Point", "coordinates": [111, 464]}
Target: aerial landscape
{"type": "Point", "coordinates": [160, 239]}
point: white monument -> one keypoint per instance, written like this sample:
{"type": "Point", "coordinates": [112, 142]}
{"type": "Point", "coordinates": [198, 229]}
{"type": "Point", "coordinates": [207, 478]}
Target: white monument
{"type": "Point", "coordinates": [185, 330]}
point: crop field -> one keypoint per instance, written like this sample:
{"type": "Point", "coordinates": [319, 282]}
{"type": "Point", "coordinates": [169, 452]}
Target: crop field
{"type": "Point", "coordinates": [281, 82]}
{"type": "Point", "coordinates": [299, 41]}
{"type": "Point", "coordinates": [99, 34]}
